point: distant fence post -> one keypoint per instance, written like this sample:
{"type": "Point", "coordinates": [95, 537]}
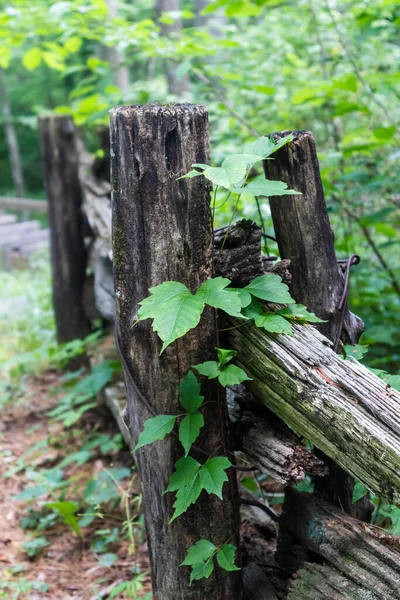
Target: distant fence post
{"type": "Point", "coordinates": [162, 231]}
{"type": "Point", "coordinates": [68, 256]}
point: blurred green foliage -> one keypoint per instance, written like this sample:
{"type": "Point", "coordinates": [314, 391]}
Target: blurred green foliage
{"type": "Point", "coordinates": [260, 65]}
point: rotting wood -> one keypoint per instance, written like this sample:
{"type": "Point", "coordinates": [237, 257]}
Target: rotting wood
{"type": "Point", "coordinates": [339, 406]}
{"type": "Point", "coordinates": [161, 231]}
{"type": "Point", "coordinates": [305, 237]}
{"type": "Point", "coordinates": [363, 561]}
{"type": "Point", "coordinates": [267, 442]}
{"type": "Point", "coordinates": [68, 255]}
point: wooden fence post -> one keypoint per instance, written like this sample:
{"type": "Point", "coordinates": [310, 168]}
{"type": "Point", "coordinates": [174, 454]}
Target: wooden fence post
{"type": "Point", "coordinates": [162, 231]}
{"type": "Point", "coordinates": [305, 236]}
{"type": "Point", "coordinates": [68, 256]}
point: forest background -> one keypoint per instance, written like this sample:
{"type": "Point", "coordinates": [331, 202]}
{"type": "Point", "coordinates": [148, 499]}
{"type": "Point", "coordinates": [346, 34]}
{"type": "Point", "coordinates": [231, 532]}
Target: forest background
{"type": "Point", "coordinates": [260, 66]}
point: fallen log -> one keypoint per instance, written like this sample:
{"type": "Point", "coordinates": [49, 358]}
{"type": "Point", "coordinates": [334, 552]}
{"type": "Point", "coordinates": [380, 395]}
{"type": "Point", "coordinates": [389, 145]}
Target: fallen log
{"type": "Point", "coordinates": [267, 442]}
{"type": "Point", "coordinates": [361, 561]}
{"type": "Point", "coordinates": [339, 406]}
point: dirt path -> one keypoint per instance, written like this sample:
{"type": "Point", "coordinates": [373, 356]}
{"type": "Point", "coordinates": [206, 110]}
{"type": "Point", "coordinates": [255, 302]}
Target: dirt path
{"type": "Point", "coordinates": [70, 567]}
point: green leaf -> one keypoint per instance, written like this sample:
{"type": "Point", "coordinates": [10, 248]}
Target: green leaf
{"type": "Point", "coordinates": [190, 478]}
{"type": "Point", "coordinates": [186, 496]}
{"type": "Point", "coordinates": [189, 430]}
{"type": "Point", "coordinates": [253, 309]}
{"type": "Point", "coordinates": [358, 351]}
{"type": "Point", "coordinates": [210, 369]}
{"type": "Point", "coordinates": [186, 469]}
{"type": "Point", "coordinates": [225, 356]}
{"type": "Point", "coordinates": [155, 429]}
{"type": "Point", "coordinates": [212, 475]}
{"type": "Point", "coordinates": [213, 293]}
{"type": "Point", "coordinates": [265, 187]}
{"type": "Point", "coordinates": [249, 483]}
{"type": "Point", "coordinates": [232, 375]}
{"type": "Point", "coordinates": [245, 297]}
{"type": "Point", "coordinates": [32, 59]}
{"type": "Point", "coordinates": [226, 557]}
{"type": "Point", "coordinates": [273, 323]}
{"type": "Point", "coordinates": [30, 493]}
{"type": "Point", "coordinates": [174, 310]}
{"type": "Point", "coordinates": [299, 312]}
{"type": "Point", "coordinates": [67, 510]}
{"type": "Point", "coordinates": [237, 165]}
{"type": "Point", "coordinates": [199, 552]}
{"type": "Point", "coordinates": [270, 288]}
{"type": "Point", "coordinates": [189, 390]}
{"type": "Point", "coordinates": [359, 491]}
{"type": "Point", "coordinates": [190, 175]}
{"type": "Point", "coordinates": [202, 570]}
{"type": "Point", "coordinates": [218, 176]}
{"type": "Point", "coordinates": [384, 133]}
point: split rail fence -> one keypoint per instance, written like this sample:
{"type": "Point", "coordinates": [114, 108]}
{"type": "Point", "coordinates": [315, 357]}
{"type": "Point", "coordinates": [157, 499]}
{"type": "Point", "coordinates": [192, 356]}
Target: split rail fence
{"type": "Point", "coordinates": [300, 388]}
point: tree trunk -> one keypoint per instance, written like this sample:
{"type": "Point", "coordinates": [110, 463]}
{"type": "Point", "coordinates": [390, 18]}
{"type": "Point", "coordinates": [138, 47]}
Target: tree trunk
{"type": "Point", "coordinates": [60, 154]}
{"type": "Point", "coordinates": [305, 237]}
{"type": "Point", "coordinates": [12, 140]}
{"type": "Point", "coordinates": [176, 85]}
{"type": "Point", "coordinates": [161, 231]}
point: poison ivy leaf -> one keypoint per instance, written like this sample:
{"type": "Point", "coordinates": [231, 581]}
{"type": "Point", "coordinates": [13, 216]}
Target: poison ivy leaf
{"type": "Point", "coordinates": [359, 491]}
{"type": "Point", "coordinates": [174, 310]}
{"type": "Point", "coordinates": [186, 496]}
{"type": "Point", "coordinates": [225, 356]}
{"type": "Point", "coordinates": [210, 369]}
{"type": "Point", "coordinates": [265, 146]}
{"type": "Point", "coordinates": [190, 175]}
{"type": "Point", "coordinates": [232, 375]}
{"type": "Point", "coordinates": [236, 166]}
{"type": "Point", "coordinates": [202, 570]}
{"type": "Point", "coordinates": [217, 176]}
{"type": "Point", "coordinates": [265, 187]}
{"type": "Point", "coordinates": [226, 557]}
{"type": "Point", "coordinates": [245, 297]}
{"type": "Point", "coordinates": [200, 166]}
{"type": "Point", "coordinates": [273, 323]}
{"type": "Point", "coordinates": [253, 309]}
{"type": "Point", "coordinates": [186, 469]}
{"type": "Point", "coordinates": [199, 552]}
{"type": "Point", "coordinates": [212, 475]}
{"type": "Point", "coordinates": [189, 390]}
{"type": "Point", "coordinates": [270, 288]}
{"type": "Point", "coordinates": [155, 429]}
{"type": "Point", "coordinates": [189, 430]}
{"type": "Point", "coordinates": [213, 293]}
{"type": "Point", "coordinates": [299, 312]}
{"type": "Point", "coordinates": [358, 351]}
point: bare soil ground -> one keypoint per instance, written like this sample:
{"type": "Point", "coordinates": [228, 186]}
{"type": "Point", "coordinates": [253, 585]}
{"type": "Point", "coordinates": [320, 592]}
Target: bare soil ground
{"type": "Point", "coordinates": [68, 565]}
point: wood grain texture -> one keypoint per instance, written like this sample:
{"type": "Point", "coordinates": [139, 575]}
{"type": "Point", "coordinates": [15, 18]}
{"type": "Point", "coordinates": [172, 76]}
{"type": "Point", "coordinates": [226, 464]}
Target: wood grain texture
{"type": "Point", "coordinates": [60, 156]}
{"type": "Point", "coordinates": [305, 236]}
{"type": "Point", "coordinates": [162, 231]}
{"type": "Point", "coordinates": [361, 561]}
{"type": "Point", "coordinates": [340, 406]}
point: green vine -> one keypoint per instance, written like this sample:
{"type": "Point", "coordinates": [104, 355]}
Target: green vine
{"type": "Point", "coordinates": [174, 311]}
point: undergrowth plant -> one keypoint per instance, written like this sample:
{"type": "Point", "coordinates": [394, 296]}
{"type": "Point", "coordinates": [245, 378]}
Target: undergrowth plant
{"type": "Point", "coordinates": [174, 310]}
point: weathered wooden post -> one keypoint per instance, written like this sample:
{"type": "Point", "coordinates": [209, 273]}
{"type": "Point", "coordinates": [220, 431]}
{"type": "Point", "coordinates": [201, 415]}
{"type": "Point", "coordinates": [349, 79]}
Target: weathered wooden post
{"type": "Point", "coordinates": [305, 236]}
{"type": "Point", "coordinates": [162, 231]}
{"type": "Point", "coordinates": [68, 256]}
